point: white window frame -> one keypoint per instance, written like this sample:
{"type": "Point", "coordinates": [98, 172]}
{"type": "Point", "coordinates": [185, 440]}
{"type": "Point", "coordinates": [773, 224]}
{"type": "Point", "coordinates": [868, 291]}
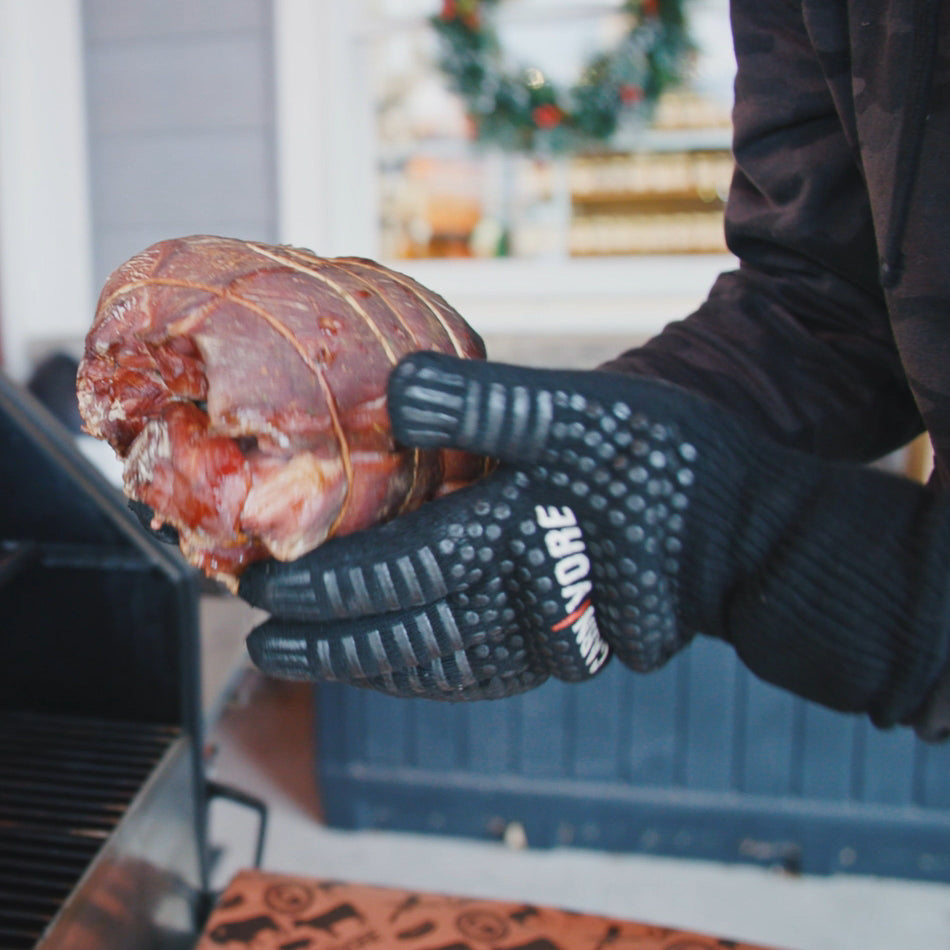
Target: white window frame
{"type": "Point", "coordinates": [46, 284]}
{"type": "Point", "coordinates": [328, 201]}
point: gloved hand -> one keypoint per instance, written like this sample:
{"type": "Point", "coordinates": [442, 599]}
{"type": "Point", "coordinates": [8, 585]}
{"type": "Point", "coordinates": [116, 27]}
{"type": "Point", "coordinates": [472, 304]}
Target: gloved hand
{"type": "Point", "coordinates": [626, 515]}
{"type": "Point", "coordinates": [572, 549]}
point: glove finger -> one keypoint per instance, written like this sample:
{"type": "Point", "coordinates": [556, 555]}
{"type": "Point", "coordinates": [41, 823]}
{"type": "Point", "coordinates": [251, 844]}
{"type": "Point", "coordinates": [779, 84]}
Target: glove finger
{"type": "Point", "coordinates": [294, 651]}
{"type": "Point", "coordinates": [165, 533]}
{"type": "Point", "coordinates": [524, 416]}
{"type": "Point", "coordinates": [449, 544]}
{"type": "Point", "coordinates": [438, 401]}
{"type": "Point", "coordinates": [433, 651]}
{"type": "Point", "coordinates": [512, 413]}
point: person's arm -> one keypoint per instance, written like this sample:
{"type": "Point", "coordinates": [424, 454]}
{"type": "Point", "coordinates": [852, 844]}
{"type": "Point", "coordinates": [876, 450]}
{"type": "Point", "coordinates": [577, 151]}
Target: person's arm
{"type": "Point", "coordinates": [797, 340]}
{"type": "Point", "coordinates": [630, 515]}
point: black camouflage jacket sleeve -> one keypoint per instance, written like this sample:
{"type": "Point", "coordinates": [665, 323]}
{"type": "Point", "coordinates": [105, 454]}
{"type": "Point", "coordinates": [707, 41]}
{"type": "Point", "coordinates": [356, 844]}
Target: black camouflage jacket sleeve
{"type": "Point", "coordinates": [798, 339]}
{"type": "Point", "coordinates": [832, 334]}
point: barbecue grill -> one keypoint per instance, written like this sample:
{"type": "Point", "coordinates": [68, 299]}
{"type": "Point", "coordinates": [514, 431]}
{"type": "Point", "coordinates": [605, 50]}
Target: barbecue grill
{"type": "Point", "coordinates": [103, 799]}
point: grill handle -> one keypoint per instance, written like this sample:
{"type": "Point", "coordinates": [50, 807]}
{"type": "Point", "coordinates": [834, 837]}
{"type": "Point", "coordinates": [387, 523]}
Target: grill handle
{"type": "Point", "coordinates": [215, 790]}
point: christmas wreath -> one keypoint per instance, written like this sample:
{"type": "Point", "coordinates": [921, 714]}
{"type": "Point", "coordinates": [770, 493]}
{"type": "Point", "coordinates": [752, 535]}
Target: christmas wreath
{"type": "Point", "coordinates": [522, 109]}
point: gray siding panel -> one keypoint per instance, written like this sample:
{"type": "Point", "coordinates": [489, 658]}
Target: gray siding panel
{"type": "Point", "coordinates": [180, 100]}
{"type": "Point", "coordinates": [182, 180]}
{"type": "Point", "coordinates": [125, 20]}
{"type": "Point", "coordinates": [197, 84]}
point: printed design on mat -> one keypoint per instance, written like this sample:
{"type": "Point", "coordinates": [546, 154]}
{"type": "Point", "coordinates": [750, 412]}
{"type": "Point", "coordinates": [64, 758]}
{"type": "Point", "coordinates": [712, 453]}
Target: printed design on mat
{"type": "Point", "coordinates": [419, 930]}
{"type": "Point", "coordinates": [412, 901]}
{"type": "Point", "coordinates": [330, 921]}
{"type": "Point", "coordinates": [263, 911]}
{"type": "Point", "coordinates": [243, 931]}
{"type": "Point", "coordinates": [483, 926]}
{"type": "Point", "coordinates": [289, 897]}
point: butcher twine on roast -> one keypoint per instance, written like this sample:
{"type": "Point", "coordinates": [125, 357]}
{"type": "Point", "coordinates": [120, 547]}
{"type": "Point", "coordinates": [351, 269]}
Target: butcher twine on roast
{"type": "Point", "coordinates": [244, 386]}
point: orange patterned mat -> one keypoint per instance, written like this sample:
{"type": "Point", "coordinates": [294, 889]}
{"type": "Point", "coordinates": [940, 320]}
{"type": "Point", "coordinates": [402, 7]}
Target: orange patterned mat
{"type": "Point", "coordinates": [267, 911]}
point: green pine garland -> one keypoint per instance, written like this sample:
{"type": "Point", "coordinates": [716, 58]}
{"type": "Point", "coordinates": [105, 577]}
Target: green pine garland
{"type": "Point", "coordinates": [523, 110]}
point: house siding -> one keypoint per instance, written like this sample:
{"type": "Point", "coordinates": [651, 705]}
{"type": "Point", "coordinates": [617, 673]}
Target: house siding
{"type": "Point", "coordinates": [180, 106]}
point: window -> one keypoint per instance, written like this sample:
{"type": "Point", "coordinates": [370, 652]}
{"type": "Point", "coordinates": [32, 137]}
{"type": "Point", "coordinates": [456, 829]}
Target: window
{"type": "Point", "coordinates": [393, 172]}
{"type": "Point", "coordinates": [656, 189]}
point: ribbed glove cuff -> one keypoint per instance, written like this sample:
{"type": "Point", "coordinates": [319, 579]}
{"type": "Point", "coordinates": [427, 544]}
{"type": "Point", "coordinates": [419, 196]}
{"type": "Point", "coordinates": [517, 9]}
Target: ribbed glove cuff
{"type": "Point", "coordinates": [830, 580]}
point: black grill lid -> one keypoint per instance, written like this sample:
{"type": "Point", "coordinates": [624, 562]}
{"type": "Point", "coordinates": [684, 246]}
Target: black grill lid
{"type": "Point", "coordinates": [97, 618]}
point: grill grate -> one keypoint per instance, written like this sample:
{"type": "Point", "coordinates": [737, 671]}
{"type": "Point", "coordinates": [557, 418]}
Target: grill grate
{"type": "Point", "coordinates": [65, 783]}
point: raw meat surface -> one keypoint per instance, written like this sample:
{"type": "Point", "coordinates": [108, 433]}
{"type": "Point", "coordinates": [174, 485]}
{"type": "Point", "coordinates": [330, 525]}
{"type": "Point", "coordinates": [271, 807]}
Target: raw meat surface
{"type": "Point", "coordinates": [244, 386]}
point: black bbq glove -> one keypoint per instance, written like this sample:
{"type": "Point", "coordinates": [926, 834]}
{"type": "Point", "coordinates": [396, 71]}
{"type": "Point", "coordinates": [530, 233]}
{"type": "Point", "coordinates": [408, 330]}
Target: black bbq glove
{"type": "Point", "coordinates": [626, 515]}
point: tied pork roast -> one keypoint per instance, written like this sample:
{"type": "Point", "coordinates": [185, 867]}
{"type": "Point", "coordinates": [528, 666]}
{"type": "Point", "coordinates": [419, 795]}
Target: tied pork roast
{"type": "Point", "coordinates": [244, 385]}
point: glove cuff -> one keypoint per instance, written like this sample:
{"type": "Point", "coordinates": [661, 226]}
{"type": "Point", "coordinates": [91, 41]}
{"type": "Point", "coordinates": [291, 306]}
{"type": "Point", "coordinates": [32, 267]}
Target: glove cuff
{"type": "Point", "coordinates": [830, 580]}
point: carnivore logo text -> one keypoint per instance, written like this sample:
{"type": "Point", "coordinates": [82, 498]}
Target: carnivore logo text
{"type": "Point", "coordinates": [565, 544]}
